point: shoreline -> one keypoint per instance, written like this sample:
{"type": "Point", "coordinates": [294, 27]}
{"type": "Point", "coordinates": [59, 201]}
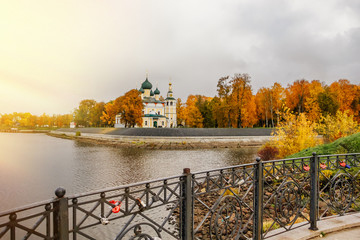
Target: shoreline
{"type": "Point", "coordinates": [24, 131]}
{"type": "Point", "coordinates": [166, 143]}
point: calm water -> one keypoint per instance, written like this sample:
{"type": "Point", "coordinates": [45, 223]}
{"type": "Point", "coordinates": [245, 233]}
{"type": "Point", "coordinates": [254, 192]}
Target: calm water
{"type": "Point", "coordinates": [32, 166]}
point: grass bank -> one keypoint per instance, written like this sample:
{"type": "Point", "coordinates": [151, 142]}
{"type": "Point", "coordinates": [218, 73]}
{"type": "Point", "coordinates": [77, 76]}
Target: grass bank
{"type": "Point", "coordinates": [349, 144]}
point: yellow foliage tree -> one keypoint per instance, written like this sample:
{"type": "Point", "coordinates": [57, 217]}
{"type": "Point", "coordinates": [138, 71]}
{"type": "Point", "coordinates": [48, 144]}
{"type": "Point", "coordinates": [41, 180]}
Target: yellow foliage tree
{"type": "Point", "coordinates": [109, 113]}
{"type": "Point", "coordinates": [294, 134]}
{"type": "Point", "coordinates": [312, 108]}
{"type": "Point", "coordinates": [340, 125]}
{"type": "Point", "coordinates": [249, 113]}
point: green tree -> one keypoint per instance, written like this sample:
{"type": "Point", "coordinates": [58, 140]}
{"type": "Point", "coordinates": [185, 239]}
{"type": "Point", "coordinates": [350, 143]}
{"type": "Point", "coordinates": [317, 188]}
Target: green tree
{"type": "Point", "coordinates": [96, 113]}
{"type": "Point", "coordinates": [83, 113]}
{"type": "Point", "coordinates": [203, 104]}
{"type": "Point", "coordinates": [327, 102]}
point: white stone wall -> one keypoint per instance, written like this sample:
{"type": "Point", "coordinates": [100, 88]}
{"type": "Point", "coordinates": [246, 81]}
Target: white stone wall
{"type": "Point", "coordinates": [170, 113]}
{"type": "Point", "coordinates": [148, 122]}
{"type": "Point", "coordinates": [158, 108]}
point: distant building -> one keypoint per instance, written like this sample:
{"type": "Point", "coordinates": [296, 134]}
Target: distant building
{"type": "Point", "coordinates": [156, 113]}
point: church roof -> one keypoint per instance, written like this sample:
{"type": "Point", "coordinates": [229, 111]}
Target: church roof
{"type": "Point", "coordinates": [141, 90]}
{"type": "Point", "coordinates": [157, 91]}
{"type": "Point", "coordinates": [155, 116]}
{"type": "Point", "coordinates": [146, 84]}
{"type": "Point", "coordinates": [151, 100]}
{"type": "Point", "coordinates": [151, 93]}
{"type": "Point", "coordinates": [170, 98]}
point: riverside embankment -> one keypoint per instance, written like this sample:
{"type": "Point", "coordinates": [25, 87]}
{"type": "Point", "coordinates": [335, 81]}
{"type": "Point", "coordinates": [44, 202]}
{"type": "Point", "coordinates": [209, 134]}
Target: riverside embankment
{"type": "Point", "coordinates": [185, 138]}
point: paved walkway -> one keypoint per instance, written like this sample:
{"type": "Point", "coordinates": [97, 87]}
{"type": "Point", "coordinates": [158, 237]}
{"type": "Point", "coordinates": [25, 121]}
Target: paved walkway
{"type": "Point", "coordinates": [345, 227]}
{"type": "Point", "coordinates": [174, 132]}
{"type": "Point", "coordinates": [347, 234]}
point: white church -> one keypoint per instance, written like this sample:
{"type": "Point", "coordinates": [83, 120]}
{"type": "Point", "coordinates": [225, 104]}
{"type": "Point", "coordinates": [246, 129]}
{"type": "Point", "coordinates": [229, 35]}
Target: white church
{"type": "Point", "coordinates": [156, 113]}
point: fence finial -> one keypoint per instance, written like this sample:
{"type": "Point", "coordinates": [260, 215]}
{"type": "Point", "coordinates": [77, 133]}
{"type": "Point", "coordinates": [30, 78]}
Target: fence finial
{"type": "Point", "coordinates": [60, 192]}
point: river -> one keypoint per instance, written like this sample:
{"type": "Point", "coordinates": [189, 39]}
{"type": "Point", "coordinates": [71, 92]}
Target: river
{"type": "Point", "coordinates": [32, 166]}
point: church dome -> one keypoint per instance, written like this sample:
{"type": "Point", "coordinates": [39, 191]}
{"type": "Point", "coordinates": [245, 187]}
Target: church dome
{"type": "Point", "coordinates": [157, 92]}
{"type": "Point", "coordinates": [146, 84]}
{"type": "Point", "coordinates": [151, 93]}
{"type": "Point", "coordinates": [141, 90]}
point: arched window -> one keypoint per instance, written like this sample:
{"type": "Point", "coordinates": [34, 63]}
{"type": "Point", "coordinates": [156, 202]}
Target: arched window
{"type": "Point", "coordinates": [171, 103]}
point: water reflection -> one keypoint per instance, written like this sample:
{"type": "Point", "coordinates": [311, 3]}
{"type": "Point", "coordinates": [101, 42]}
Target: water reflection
{"type": "Point", "coordinates": [32, 166]}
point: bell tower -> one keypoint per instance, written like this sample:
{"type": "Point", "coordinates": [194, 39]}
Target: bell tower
{"type": "Point", "coordinates": [170, 108]}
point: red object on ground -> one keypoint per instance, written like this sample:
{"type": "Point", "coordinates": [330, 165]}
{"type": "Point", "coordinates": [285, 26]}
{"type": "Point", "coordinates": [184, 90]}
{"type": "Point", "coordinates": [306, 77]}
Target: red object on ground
{"type": "Point", "coordinates": [322, 165]}
{"type": "Point", "coordinates": [306, 167]}
{"type": "Point", "coordinates": [116, 209]}
{"type": "Point", "coordinates": [343, 164]}
{"type": "Point", "coordinates": [113, 202]}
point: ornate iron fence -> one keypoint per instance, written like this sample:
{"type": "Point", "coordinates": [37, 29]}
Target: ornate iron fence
{"type": "Point", "coordinates": [239, 202]}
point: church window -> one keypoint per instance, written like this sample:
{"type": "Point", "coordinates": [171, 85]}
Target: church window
{"type": "Point", "coordinates": [167, 103]}
{"type": "Point", "coordinates": [162, 123]}
{"type": "Point", "coordinates": [171, 103]}
{"type": "Point", "coordinates": [145, 123]}
{"type": "Point", "coordinates": [159, 112]}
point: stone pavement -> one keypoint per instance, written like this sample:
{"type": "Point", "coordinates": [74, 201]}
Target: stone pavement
{"type": "Point", "coordinates": [344, 227]}
{"type": "Point", "coordinates": [347, 234]}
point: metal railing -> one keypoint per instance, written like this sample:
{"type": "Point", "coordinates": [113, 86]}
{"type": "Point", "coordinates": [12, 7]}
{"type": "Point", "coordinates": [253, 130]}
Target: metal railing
{"type": "Point", "coordinates": [239, 202]}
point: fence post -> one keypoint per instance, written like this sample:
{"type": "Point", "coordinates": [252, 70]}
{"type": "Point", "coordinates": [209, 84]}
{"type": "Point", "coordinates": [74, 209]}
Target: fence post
{"type": "Point", "coordinates": [258, 200]}
{"type": "Point", "coordinates": [186, 206]}
{"type": "Point", "coordinates": [61, 216]}
{"type": "Point", "coordinates": [314, 191]}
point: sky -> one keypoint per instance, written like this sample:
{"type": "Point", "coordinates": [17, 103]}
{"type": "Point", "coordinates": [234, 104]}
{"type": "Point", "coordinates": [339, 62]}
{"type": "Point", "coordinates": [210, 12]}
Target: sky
{"type": "Point", "coordinates": [53, 54]}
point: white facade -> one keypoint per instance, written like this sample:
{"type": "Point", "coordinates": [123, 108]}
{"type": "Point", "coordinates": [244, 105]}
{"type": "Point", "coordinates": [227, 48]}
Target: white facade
{"type": "Point", "coordinates": [170, 108]}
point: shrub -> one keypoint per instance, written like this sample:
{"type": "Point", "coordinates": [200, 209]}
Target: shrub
{"type": "Point", "coordinates": [268, 152]}
{"type": "Point", "coordinates": [338, 126]}
{"type": "Point", "coordinates": [294, 134]}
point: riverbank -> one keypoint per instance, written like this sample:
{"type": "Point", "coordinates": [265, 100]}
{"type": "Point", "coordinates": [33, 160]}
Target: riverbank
{"type": "Point", "coordinates": [15, 130]}
{"type": "Point", "coordinates": [163, 142]}
{"type": "Point", "coordinates": [349, 144]}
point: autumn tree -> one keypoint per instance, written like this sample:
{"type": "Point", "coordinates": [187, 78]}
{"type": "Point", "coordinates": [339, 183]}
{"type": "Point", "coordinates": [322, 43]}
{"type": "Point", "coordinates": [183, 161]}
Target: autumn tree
{"type": "Point", "coordinates": [180, 108]}
{"type": "Point", "coordinates": [296, 94]}
{"type": "Point", "coordinates": [83, 113]}
{"type": "Point", "coordinates": [224, 91]}
{"type": "Point", "coordinates": [345, 93]}
{"type": "Point", "coordinates": [294, 134]}
{"type": "Point", "coordinates": [193, 117]}
{"type": "Point", "coordinates": [269, 102]}
{"type": "Point", "coordinates": [241, 95]}
{"type": "Point", "coordinates": [96, 113]}
{"type": "Point", "coordinates": [249, 118]}
{"type": "Point", "coordinates": [340, 125]}
{"type": "Point", "coordinates": [131, 106]}
{"type": "Point", "coordinates": [203, 104]}
{"type": "Point", "coordinates": [312, 108]}
{"type": "Point", "coordinates": [355, 105]}
{"type": "Point", "coordinates": [278, 100]}
{"type": "Point", "coordinates": [109, 113]}
{"type": "Point", "coordinates": [219, 112]}
{"type": "Point", "coordinates": [263, 105]}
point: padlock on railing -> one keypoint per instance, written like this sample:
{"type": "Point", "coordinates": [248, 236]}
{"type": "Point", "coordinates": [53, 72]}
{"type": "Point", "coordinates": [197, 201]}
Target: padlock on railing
{"type": "Point", "coordinates": [140, 204]}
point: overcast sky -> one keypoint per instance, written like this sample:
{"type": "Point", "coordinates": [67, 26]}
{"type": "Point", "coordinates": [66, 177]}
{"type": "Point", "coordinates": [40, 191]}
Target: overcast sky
{"type": "Point", "coordinates": [53, 54]}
